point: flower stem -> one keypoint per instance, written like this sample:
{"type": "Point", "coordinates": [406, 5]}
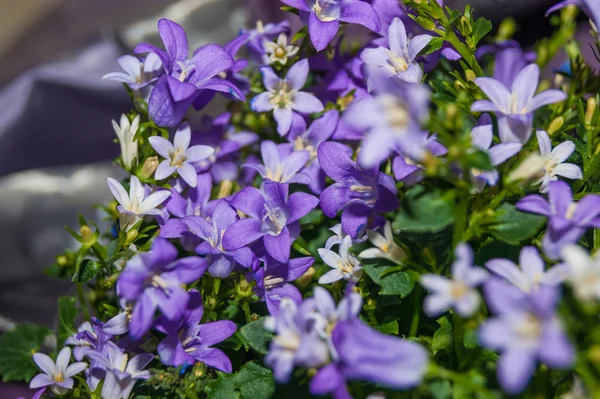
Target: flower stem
{"type": "Point", "coordinates": [463, 50]}
{"type": "Point", "coordinates": [246, 308]}
{"type": "Point", "coordinates": [83, 301]}
{"type": "Point", "coordinates": [414, 324]}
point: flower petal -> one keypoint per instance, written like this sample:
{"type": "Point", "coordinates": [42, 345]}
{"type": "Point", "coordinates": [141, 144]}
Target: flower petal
{"type": "Point", "coordinates": [297, 75]}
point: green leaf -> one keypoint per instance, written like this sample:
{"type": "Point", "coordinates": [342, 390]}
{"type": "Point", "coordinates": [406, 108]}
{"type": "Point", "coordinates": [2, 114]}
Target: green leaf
{"type": "Point", "coordinates": [440, 389]}
{"type": "Point", "coordinates": [434, 45]}
{"type": "Point", "coordinates": [251, 382]}
{"type": "Point", "coordinates": [479, 160]}
{"type": "Point", "coordinates": [17, 348]}
{"type": "Point", "coordinates": [442, 338]}
{"type": "Point", "coordinates": [399, 283]}
{"type": "Point", "coordinates": [481, 27]}
{"type": "Point", "coordinates": [66, 318]}
{"type": "Point", "coordinates": [257, 336]}
{"type": "Point", "coordinates": [87, 270]}
{"type": "Point", "coordinates": [388, 328]}
{"type": "Point", "coordinates": [514, 226]}
{"type": "Point", "coordinates": [423, 211]}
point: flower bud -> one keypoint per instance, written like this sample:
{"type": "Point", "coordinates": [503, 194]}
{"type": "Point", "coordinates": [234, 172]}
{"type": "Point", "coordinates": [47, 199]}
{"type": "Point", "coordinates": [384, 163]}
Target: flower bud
{"type": "Point", "coordinates": [62, 261]}
{"type": "Point", "coordinates": [149, 167]}
{"type": "Point", "coordinates": [470, 75]}
{"type": "Point", "coordinates": [225, 189]}
{"type": "Point", "coordinates": [87, 235]}
{"type": "Point", "coordinates": [530, 169]}
{"type": "Point", "coordinates": [591, 110]}
{"type": "Point", "coordinates": [555, 125]}
{"type": "Point", "coordinates": [426, 23]}
{"type": "Point", "coordinates": [131, 236]}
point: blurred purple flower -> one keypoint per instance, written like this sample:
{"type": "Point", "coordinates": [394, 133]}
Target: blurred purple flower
{"type": "Point", "coordinates": [283, 96]}
{"type": "Point", "coordinates": [567, 220]}
{"type": "Point", "coordinates": [356, 192]}
{"type": "Point", "coordinates": [323, 17]}
{"type": "Point", "coordinates": [188, 341]}
{"type": "Point", "coordinates": [590, 7]}
{"type": "Point", "coordinates": [515, 108]}
{"type": "Point", "coordinates": [406, 166]}
{"type": "Point", "coordinates": [153, 280]}
{"type": "Point", "coordinates": [271, 216]}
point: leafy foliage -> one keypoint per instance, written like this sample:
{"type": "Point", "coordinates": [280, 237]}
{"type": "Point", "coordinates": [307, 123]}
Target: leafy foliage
{"type": "Point", "coordinates": [16, 347]}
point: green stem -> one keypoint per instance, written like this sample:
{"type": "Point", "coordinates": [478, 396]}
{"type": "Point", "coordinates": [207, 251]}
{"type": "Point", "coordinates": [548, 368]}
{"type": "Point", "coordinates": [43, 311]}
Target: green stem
{"type": "Point", "coordinates": [414, 324]}
{"type": "Point", "coordinates": [463, 50]}
{"type": "Point", "coordinates": [97, 248]}
{"type": "Point", "coordinates": [460, 220]}
{"type": "Point", "coordinates": [246, 307]}
{"type": "Point", "coordinates": [83, 301]}
{"type": "Point", "coordinates": [458, 330]}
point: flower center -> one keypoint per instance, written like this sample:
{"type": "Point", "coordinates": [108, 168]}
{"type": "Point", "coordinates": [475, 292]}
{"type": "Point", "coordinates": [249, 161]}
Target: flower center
{"type": "Point", "coordinates": [272, 281]}
{"type": "Point", "coordinates": [274, 220]}
{"type": "Point", "coordinates": [281, 95]}
{"type": "Point", "coordinates": [571, 210]}
{"type": "Point", "coordinates": [458, 290]}
{"type": "Point", "coordinates": [345, 266]}
{"type": "Point", "coordinates": [158, 282]}
{"type": "Point", "coordinates": [186, 70]}
{"type": "Point", "coordinates": [178, 158]}
{"type": "Point", "coordinates": [280, 52]}
{"type": "Point", "coordinates": [260, 27]}
{"type": "Point", "coordinates": [124, 360]}
{"type": "Point", "coordinates": [398, 63]}
{"type": "Point", "coordinates": [289, 341]}
{"type": "Point", "coordinates": [275, 175]}
{"type": "Point", "coordinates": [396, 114]}
{"type": "Point", "coordinates": [550, 164]}
{"type": "Point", "coordinates": [58, 376]}
{"type": "Point", "coordinates": [300, 144]}
{"type": "Point", "coordinates": [529, 328]}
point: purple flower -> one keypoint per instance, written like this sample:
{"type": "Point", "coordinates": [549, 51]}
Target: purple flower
{"type": "Point", "coordinates": [179, 155]}
{"type": "Point", "coordinates": [407, 166]}
{"type": "Point", "coordinates": [89, 335]}
{"type": "Point", "coordinates": [525, 331]}
{"type": "Point", "coordinates": [283, 96]}
{"type": "Point", "coordinates": [153, 280]}
{"type": "Point", "coordinates": [397, 61]}
{"type": "Point", "coordinates": [309, 140]}
{"type": "Point", "coordinates": [530, 274]}
{"type": "Point", "coordinates": [391, 118]}
{"type": "Point", "coordinates": [458, 292]}
{"type": "Point", "coordinates": [281, 163]}
{"type": "Point", "coordinates": [188, 341]}
{"type": "Point", "coordinates": [365, 354]}
{"type": "Point", "coordinates": [590, 7]}
{"type": "Point", "coordinates": [271, 216]}
{"type": "Point", "coordinates": [515, 108]}
{"type": "Point", "coordinates": [555, 159]}
{"type": "Point", "coordinates": [273, 277]}
{"type": "Point", "coordinates": [481, 138]}
{"type": "Point", "coordinates": [175, 91]}
{"type": "Point", "coordinates": [568, 220]}
{"type": "Point", "coordinates": [323, 17]}
{"type": "Point", "coordinates": [57, 375]}
{"type": "Point", "coordinates": [356, 192]}
{"type": "Point", "coordinates": [220, 262]}
{"type": "Point", "coordinates": [345, 265]}
{"type": "Point", "coordinates": [135, 205]}
{"type": "Point", "coordinates": [120, 373]}
{"type": "Point", "coordinates": [137, 74]}
{"type": "Point", "coordinates": [263, 33]}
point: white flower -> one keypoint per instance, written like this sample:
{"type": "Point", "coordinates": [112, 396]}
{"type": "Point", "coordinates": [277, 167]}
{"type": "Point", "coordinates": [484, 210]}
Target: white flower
{"type": "Point", "coordinates": [584, 272]}
{"type": "Point", "coordinates": [56, 375]}
{"type": "Point", "coordinates": [125, 133]}
{"type": "Point", "coordinates": [179, 155]}
{"type": "Point", "coordinates": [280, 51]}
{"type": "Point", "coordinates": [385, 245]}
{"type": "Point", "coordinates": [344, 265]}
{"type": "Point", "coordinates": [554, 161]}
{"type": "Point", "coordinates": [531, 168]}
{"type": "Point", "coordinates": [135, 205]}
{"type": "Point", "coordinates": [340, 234]}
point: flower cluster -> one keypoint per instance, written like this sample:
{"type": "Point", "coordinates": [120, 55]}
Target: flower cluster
{"type": "Point", "coordinates": [373, 213]}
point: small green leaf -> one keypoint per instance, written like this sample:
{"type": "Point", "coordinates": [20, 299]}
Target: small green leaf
{"type": "Point", "coordinates": [399, 283]}
{"type": "Point", "coordinates": [434, 45]}
{"type": "Point", "coordinates": [251, 382]}
{"type": "Point", "coordinates": [423, 212]}
{"type": "Point", "coordinates": [257, 336]}
{"type": "Point", "coordinates": [87, 270]}
{"type": "Point", "coordinates": [440, 389]}
{"type": "Point", "coordinates": [442, 338]}
{"type": "Point", "coordinates": [514, 226]}
{"type": "Point", "coordinates": [388, 328]}
{"type": "Point", "coordinates": [66, 318]}
{"type": "Point", "coordinates": [481, 27]}
{"type": "Point", "coordinates": [17, 348]}
{"type": "Point", "coordinates": [479, 160]}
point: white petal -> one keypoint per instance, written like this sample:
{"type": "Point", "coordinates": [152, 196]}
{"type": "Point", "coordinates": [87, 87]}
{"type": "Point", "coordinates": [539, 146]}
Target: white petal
{"type": "Point", "coordinates": [118, 192]}
{"type": "Point", "coordinates": [44, 362]}
{"type": "Point", "coordinates": [331, 276]}
{"type": "Point", "coordinates": [330, 258]}
{"type": "Point", "coordinates": [154, 200]}
{"type": "Point", "coordinates": [372, 253]}
{"type": "Point", "coordinates": [183, 136]}
{"type": "Point", "coordinates": [568, 170]}
{"type": "Point", "coordinates": [63, 358]}
{"type": "Point", "coordinates": [136, 190]}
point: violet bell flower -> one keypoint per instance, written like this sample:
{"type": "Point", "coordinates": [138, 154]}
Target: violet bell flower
{"type": "Point", "coordinates": [220, 261]}
{"type": "Point", "coordinates": [567, 220]}
{"type": "Point", "coordinates": [282, 163]}
{"type": "Point", "coordinates": [135, 205]}
{"type": "Point", "coordinates": [179, 155]}
{"type": "Point", "coordinates": [530, 274]}
{"type": "Point", "coordinates": [283, 96]}
{"type": "Point", "coordinates": [137, 74]}
{"type": "Point", "coordinates": [175, 91]}
{"type": "Point", "coordinates": [515, 108]}
{"type": "Point", "coordinates": [152, 280]}
{"type": "Point", "coordinates": [397, 61]}
{"type": "Point", "coordinates": [356, 192]}
{"type": "Point", "coordinates": [323, 17]}
{"type": "Point", "coordinates": [272, 216]}
{"type": "Point", "coordinates": [188, 341]}
{"type": "Point", "coordinates": [555, 159]}
{"type": "Point", "coordinates": [457, 292]}
{"type": "Point", "coordinates": [57, 376]}
{"type": "Point", "coordinates": [525, 331]}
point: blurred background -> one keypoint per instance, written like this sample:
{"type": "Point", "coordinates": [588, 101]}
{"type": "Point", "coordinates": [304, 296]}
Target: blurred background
{"type": "Point", "coordinates": [56, 139]}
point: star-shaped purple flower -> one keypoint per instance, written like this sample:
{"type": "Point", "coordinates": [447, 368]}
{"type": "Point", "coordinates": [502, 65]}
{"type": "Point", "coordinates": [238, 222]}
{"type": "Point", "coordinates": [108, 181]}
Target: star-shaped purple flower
{"type": "Point", "coordinates": [283, 96]}
{"type": "Point", "coordinates": [153, 281]}
{"type": "Point", "coordinates": [272, 216]}
{"type": "Point", "coordinates": [356, 192]}
{"type": "Point", "coordinates": [567, 220]}
{"type": "Point", "coordinates": [281, 163]}
{"type": "Point", "coordinates": [323, 17]}
{"type": "Point", "coordinates": [175, 91]}
{"type": "Point", "coordinates": [188, 341]}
